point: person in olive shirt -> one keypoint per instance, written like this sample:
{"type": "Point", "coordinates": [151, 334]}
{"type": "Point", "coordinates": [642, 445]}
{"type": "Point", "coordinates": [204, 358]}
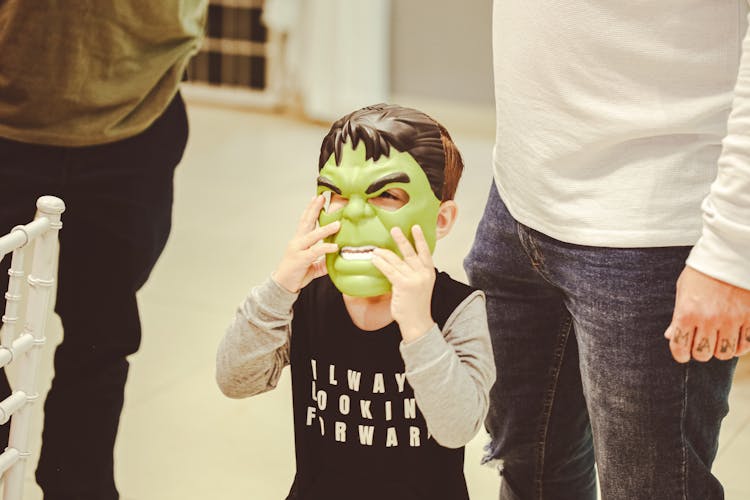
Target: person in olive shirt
{"type": "Point", "coordinates": [90, 112]}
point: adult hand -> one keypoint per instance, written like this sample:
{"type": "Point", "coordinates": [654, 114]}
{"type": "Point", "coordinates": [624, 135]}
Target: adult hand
{"type": "Point", "coordinates": [412, 279]}
{"type": "Point", "coordinates": [711, 318]}
{"type": "Point", "coordinates": [303, 259]}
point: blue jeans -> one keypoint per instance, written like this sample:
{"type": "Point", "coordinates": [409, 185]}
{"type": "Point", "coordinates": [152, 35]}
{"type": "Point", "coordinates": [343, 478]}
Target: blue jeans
{"type": "Point", "coordinates": [585, 374]}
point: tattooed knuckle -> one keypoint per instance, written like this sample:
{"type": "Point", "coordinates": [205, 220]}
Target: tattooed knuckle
{"type": "Point", "coordinates": [724, 356]}
{"type": "Point", "coordinates": [681, 336]}
{"type": "Point", "coordinates": [725, 348]}
{"type": "Point", "coordinates": [702, 347]}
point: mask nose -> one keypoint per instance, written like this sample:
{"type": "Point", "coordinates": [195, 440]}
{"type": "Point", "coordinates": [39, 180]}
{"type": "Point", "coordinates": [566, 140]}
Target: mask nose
{"type": "Point", "coordinates": [357, 209]}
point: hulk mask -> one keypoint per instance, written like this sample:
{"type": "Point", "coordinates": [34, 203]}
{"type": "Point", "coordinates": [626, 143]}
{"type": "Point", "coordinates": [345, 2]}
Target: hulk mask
{"type": "Point", "coordinates": [363, 186]}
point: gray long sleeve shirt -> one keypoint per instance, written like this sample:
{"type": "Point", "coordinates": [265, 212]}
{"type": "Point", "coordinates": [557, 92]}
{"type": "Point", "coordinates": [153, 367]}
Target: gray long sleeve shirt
{"type": "Point", "coordinates": [450, 370]}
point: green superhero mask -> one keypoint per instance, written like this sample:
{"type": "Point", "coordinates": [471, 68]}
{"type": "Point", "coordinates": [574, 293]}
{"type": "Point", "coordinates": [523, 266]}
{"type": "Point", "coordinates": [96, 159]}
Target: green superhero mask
{"type": "Point", "coordinates": [366, 221]}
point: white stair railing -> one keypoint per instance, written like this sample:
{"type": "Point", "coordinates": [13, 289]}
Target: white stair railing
{"type": "Point", "coordinates": [22, 348]}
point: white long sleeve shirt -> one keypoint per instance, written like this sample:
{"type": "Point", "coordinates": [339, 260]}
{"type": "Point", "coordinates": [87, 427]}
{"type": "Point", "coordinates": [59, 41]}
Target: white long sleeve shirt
{"type": "Point", "coordinates": [617, 120]}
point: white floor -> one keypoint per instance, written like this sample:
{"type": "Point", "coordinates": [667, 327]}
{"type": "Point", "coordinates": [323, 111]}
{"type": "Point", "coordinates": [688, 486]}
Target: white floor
{"type": "Point", "coordinates": [243, 182]}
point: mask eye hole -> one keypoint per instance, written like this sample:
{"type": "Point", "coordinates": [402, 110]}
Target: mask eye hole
{"type": "Point", "coordinates": [326, 200]}
{"type": "Point", "coordinates": [334, 202]}
{"type": "Point", "coordinates": [390, 199]}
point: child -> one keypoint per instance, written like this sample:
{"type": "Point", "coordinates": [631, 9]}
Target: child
{"type": "Point", "coordinates": [391, 372]}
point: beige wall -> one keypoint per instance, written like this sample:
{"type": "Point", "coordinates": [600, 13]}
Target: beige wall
{"type": "Point", "coordinates": [442, 49]}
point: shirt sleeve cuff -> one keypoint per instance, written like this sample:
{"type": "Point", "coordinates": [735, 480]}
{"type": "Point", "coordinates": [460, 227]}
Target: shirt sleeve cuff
{"type": "Point", "coordinates": [714, 256]}
{"type": "Point", "coordinates": [274, 297]}
{"type": "Point", "coordinates": [423, 352]}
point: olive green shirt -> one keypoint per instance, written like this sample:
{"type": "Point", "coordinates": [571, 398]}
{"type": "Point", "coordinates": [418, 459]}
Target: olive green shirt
{"type": "Point", "coordinates": [84, 72]}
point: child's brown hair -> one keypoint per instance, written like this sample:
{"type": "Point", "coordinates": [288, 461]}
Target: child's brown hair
{"type": "Point", "coordinates": [408, 130]}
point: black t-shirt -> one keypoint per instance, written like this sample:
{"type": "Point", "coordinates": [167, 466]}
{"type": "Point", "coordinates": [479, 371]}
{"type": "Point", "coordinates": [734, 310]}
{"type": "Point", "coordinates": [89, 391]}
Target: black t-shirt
{"type": "Point", "coordinates": [358, 432]}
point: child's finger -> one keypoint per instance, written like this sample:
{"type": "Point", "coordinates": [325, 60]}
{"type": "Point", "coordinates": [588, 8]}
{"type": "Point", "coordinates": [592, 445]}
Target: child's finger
{"type": "Point", "coordinates": [319, 269]}
{"type": "Point", "coordinates": [310, 214]}
{"type": "Point", "coordinates": [384, 267]}
{"type": "Point", "coordinates": [305, 217]}
{"type": "Point", "coordinates": [404, 246]}
{"type": "Point", "coordinates": [302, 223]}
{"type": "Point", "coordinates": [420, 243]}
{"type": "Point", "coordinates": [319, 233]}
{"type": "Point", "coordinates": [315, 207]}
{"type": "Point", "coordinates": [393, 260]}
{"type": "Point", "coordinates": [318, 251]}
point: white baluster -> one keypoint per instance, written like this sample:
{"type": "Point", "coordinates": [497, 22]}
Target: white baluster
{"type": "Point", "coordinates": [41, 281]}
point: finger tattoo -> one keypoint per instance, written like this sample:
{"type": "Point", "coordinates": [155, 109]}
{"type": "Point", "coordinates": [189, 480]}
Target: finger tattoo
{"type": "Point", "coordinates": [703, 346]}
{"type": "Point", "coordinates": [681, 336]}
{"type": "Point", "coordinates": [725, 346]}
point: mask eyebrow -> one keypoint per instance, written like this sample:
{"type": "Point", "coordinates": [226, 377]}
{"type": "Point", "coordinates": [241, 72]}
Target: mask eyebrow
{"type": "Point", "coordinates": [387, 179]}
{"type": "Point", "coordinates": [325, 182]}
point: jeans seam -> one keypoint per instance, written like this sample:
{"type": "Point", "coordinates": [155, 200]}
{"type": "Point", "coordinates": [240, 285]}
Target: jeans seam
{"type": "Point", "coordinates": [683, 418]}
{"type": "Point", "coordinates": [548, 404]}
{"type": "Point", "coordinates": [533, 253]}
{"type": "Point", "coordinates": [525, 241]}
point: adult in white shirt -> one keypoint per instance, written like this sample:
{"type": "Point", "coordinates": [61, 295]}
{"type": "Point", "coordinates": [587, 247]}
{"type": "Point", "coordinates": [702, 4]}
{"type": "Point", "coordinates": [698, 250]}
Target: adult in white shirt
{"type": "Point", "coordinates": [619, 215]}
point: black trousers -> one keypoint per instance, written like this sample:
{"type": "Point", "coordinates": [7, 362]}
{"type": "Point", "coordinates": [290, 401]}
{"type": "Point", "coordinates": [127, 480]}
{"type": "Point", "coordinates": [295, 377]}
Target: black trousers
{"type": "Point", "coordinates": [118, 199]}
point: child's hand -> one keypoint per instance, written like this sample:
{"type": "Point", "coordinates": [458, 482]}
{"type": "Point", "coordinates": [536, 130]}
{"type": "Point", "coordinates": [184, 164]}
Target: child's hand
{"type": "Point", "coordinates": [303, 260]}
{"type": "Point", "coordinates": [412, 280]}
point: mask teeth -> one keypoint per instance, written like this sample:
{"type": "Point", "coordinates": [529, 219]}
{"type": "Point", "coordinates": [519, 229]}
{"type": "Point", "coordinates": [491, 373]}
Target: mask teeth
{"type": "Point", "coordinates": [357, 253]}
